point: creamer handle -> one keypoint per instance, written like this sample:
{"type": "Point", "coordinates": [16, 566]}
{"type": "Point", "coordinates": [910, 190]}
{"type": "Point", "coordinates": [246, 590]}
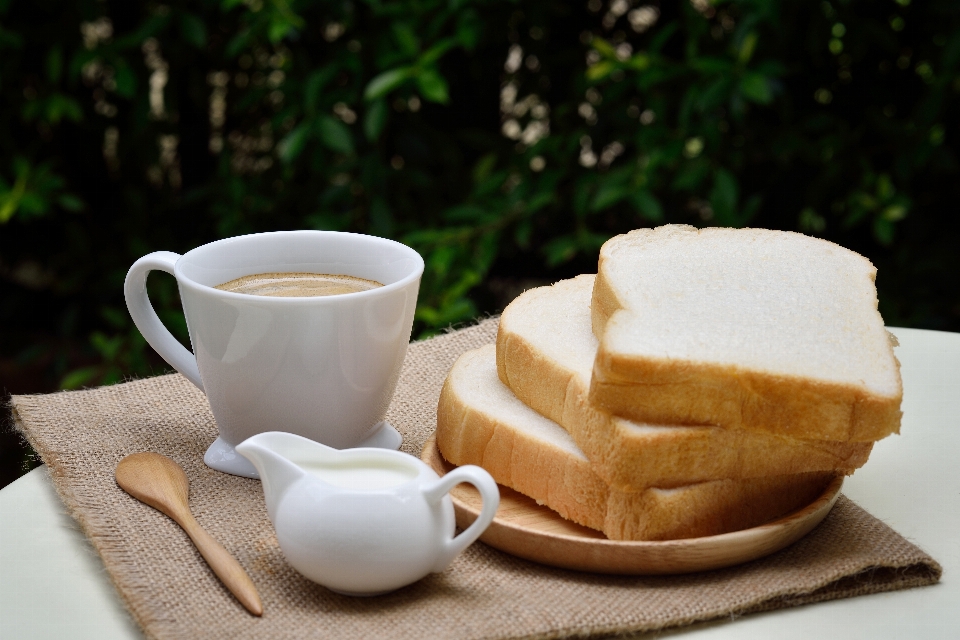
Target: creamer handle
{"type": "Point", "coordinates": [491, 500]}
{"type": "Point", "coordinates": [146, 319]}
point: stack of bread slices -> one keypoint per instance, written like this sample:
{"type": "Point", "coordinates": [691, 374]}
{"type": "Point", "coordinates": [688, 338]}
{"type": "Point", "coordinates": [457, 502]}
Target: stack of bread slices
{"type": "Point", "coordinates": [703, 381]}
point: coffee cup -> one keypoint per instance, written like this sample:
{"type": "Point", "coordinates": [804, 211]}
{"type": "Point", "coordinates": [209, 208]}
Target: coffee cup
{"type": "Point", "coordinates": [321, 366]}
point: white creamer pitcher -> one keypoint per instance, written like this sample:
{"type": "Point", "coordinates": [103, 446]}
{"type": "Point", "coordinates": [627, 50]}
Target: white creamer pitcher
{"type": "Point", "coordinates": [362, 521]}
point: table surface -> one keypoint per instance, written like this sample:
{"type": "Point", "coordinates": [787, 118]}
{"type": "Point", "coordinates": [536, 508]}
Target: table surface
{"type": "Point", "coordinates": [53, 584]}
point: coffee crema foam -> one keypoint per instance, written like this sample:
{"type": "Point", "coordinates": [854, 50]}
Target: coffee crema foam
{"type": "Point", "coordinates": [298, 285]}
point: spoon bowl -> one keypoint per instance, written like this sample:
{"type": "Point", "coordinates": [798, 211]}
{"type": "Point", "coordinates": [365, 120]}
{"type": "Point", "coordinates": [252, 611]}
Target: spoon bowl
{"type": "Point", "coordinates": [158, 481]}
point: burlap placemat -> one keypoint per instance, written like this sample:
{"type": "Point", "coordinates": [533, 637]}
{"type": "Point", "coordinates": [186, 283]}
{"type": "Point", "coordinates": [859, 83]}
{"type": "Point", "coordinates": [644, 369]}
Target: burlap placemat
{"type": "Point", "coordinates": [171, 593]}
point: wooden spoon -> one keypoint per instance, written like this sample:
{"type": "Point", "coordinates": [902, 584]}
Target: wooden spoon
{"type": "Point", "coordinates": [161, 483]}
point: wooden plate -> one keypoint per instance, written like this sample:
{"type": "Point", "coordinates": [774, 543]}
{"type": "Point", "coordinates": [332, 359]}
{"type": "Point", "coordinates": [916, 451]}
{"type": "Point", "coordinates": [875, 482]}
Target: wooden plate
{"type": "Point", "coordinates": [528, 530]}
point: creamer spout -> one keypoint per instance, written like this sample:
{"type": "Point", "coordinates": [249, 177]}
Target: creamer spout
{"type": "Point", "coordinates": [277, 472]}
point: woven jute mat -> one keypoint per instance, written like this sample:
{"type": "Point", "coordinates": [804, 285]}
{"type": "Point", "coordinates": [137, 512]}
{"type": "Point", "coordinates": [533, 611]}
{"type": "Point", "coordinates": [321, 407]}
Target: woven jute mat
{"type": "Point", "coordinates": [82, 435]}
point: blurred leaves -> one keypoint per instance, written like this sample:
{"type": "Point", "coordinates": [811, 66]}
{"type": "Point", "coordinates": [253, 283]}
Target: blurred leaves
{"type": "Point", "coordinates": [386, 82]}
{"type": "Point", "coordinates": [34, 191]}
{"type": "Point", "coordinates": [335, 135]}
{"type": "Point", "coordinates": [192, 29]}
{"type": "Point", "coordinates": [432, 86]}
{"type": "Point", "coordinates": [725, 201]}
{"type": "Point", "coordinates": [502, 141]}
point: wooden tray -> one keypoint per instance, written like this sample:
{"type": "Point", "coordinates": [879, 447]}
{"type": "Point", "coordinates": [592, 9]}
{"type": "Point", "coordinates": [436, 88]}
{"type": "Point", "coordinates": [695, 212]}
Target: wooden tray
{"type": "Point", "coordinates": [535, 532]}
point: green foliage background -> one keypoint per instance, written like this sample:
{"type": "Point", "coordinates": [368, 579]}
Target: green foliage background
{"type": "Point", "coordinates": [504, 140]}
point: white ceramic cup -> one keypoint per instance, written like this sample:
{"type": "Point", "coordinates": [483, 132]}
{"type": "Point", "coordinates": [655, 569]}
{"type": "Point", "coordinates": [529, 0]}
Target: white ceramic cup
{"type": "Point", "coordinates": [321, 367]}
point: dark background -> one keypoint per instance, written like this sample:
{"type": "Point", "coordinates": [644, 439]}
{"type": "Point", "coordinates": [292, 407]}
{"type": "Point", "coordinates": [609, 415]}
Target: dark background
{"type": "Point", "coordinates": [503, 140]}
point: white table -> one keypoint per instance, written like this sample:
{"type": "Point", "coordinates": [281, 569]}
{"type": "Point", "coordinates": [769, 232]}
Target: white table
{"type": "Point", "coordinates": [53, 585]}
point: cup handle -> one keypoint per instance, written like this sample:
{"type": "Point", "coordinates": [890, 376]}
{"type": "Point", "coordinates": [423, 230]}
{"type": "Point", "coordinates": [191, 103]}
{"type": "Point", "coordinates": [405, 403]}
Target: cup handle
{"type": "Point", "coordinates": [484, 483]}
{"type": "Point", "coordinates": [146, 319]}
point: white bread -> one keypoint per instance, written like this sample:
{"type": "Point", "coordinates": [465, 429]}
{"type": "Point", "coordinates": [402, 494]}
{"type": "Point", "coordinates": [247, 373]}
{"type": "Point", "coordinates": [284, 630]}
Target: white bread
{"type": "Point", "coordinates": [479, 421]}
{"type": "Point", "coordinates": [545, 355]}
{"type": "Point", "coordinates": [746, 328]}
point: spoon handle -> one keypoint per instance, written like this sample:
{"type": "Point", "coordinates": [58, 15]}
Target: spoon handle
{"type": "Point", "coordinates": [223, 564]}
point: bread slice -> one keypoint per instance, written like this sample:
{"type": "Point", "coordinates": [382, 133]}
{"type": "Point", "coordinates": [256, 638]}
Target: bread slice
{"type": "Point", "coordinates": [480, 421]}
{"type": "Point", "coordinates": [545, 354]}
{"type": "Point", "coordinates": [746, 328]}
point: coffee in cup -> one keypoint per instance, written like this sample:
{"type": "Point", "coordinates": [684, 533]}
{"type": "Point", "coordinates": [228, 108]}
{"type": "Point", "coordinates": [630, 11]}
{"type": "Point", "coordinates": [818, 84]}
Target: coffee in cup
{"type": "Point", "coordinates": [298, 284]}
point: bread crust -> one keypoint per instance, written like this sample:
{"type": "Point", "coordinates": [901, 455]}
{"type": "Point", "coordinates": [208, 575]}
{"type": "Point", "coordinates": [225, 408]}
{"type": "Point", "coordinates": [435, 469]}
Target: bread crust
{"type": "Point", "coordinates": [646, 387]}
{"type": "Point", "coordinates": [671, 392]}
{"type": "Point", "coordinates": [475, 432]}
{"type": "Point", "coordinates": [632, 457]}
